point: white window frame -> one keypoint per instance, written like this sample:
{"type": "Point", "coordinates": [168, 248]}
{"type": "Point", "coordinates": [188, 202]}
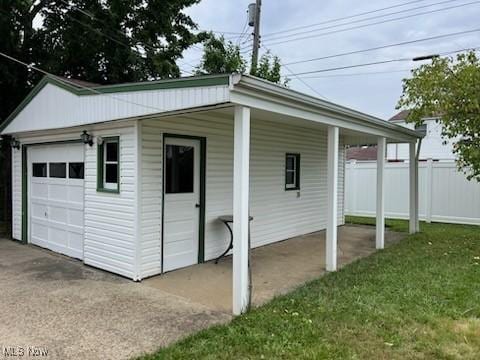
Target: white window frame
{"type": "Point", "coordinates": [102, 184]}
{"type": "Point", "coordinates": [107, 185]}
{"type": "Point", "coordinates": [295, 185]}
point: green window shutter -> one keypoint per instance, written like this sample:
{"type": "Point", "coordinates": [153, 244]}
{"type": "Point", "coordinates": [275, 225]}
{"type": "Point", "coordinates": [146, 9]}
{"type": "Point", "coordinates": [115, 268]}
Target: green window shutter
{"type": "Point", "coordinates": [99, 167]}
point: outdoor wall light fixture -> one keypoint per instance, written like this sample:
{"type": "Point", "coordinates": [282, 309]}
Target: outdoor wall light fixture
{"type": "Point", "coordinates": [14, 143]}
{"type": "Point", "coordinates": [86, 138]}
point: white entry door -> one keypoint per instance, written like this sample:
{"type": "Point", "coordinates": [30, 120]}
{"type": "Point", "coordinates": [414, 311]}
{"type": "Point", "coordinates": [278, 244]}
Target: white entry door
{"type": "Point", "coordinates": [181, 203]}
{"type": "Point", "coordinates": [55, 197]}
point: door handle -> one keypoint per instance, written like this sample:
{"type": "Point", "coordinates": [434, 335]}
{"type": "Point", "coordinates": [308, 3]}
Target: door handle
{"type": "Point", "coordinates": [197, 205]}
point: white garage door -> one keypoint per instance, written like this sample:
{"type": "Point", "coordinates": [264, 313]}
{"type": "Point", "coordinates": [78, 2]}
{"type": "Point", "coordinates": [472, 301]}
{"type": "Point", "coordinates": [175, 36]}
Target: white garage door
{"type": "Point", "coordinates": [55, 195]}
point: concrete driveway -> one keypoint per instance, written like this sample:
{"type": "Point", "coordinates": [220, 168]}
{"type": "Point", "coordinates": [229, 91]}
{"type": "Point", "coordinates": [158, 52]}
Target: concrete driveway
{"type": "Point", "coordinates": [48, 301]}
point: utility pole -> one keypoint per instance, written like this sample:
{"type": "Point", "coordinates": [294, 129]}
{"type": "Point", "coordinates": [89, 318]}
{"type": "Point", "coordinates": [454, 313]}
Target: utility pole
{"type": "Point", "coordinates": [254, 20]}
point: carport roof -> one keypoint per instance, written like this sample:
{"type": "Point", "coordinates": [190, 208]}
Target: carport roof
{"type": "Point", "coordinates": [236, 86]}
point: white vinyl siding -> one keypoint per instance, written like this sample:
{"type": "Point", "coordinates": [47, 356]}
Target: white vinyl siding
{"type": "Point", "coordinates": [110, 219]}
{"type": "Point", "coordinates": [433, 146]}
{"type": "Point", "coordinates": [54, 107]}
{"type": "Point", "coordinates": [151, 200]}
{"type": "Point", "coordinates": [278, 214]}
{"type": "Point", "coordinates": [17, 194]}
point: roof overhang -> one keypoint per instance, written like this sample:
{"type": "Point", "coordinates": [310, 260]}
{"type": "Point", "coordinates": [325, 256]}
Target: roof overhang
{"type": "Point", "coordinates": [101, 104]}
{"type": "Point", "coordinates": [257, 93]}
{"type": "Point", "coordinates": [97, 104]}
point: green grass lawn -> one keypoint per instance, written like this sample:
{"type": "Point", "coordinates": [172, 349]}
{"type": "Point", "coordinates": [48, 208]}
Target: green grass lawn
{"type": "Point", "coordinates": [419, 299]}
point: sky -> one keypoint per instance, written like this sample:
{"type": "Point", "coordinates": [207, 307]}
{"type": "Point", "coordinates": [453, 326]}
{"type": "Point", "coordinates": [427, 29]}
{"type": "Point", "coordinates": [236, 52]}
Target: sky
{"type": "Point", "coordinates": [371, 89]}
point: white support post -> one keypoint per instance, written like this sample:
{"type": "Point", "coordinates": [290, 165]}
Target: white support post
{"type": "Point", "coordinates": [413, 189]}
{"type": "Point", "coordinates": [429, 191]}
{"type": "Point", "coordinates": [380, 224]}
{"type": "Point", "coordinates": [417, 191]}
{"type": "Point", "coordinates": [332, 199]}
{"type": "Point", "coordinates": [241, 160]}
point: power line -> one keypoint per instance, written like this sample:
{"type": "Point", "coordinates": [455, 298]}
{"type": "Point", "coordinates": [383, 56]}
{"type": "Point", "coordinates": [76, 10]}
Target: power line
{"type": "Point", "coordinates": [298, 78]}
{"type": "Point", "coordinates": [99, 32]}
{"type": "Point", "coordinates": [373, 63]}
{"type": "Point", "coordinates": [342, 18]}
{"type": "Point", "coordinates": [362, 20]}
{"type": "Point", "coordinates": [65, 81]}
{"type": "Point", "coordinates": [244, 32]}
{"type": "Point", "coordinates": [383, 47]}
{"type": "Point", "coordinates": [371, 24]}
{"type": "Point", "coordinates": [221, 32]}
{"type": "Point", "coordinates": [353, 66]}
{"type": "Point", "coordinates": [355, 74]}
{"type": "Point", "coordinates": [116, 39]}
{"type": "Point", "coordinates": [320, 23]}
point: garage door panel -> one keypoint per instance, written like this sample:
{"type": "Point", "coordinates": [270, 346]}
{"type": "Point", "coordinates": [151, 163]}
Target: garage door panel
{"type": "Point", "coordinates": [75, 194]}
{"type": "Point", "coordinates": [57, 214]}
{"type": "Point", "coordinates": [39, 190]}
{"type": "Point", "coordinates": [58, 236]}
{"type": "Point", "coordinates": [40, 230]}
{"type": "Point", "coordinates": [61, 204]}
{"type": "Point", "coordinates": [75, 229]}
{"type": "Point", "coordinates": [38, 210]}
{"type": "Point", "coordinates": [75, 242]}
{"type": "Point", "coordinates": [58, 192]}
{"type": "Point", "coordinates": [56, 204]}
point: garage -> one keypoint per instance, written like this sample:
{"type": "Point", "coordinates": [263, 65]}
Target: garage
{"type": "Point", "coordinates": [56, 197]}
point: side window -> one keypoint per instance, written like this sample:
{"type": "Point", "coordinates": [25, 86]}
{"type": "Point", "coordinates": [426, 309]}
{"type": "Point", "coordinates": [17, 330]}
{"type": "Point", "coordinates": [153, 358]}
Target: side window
{"type": "Point", "coordinates": [58, 170]}
{"type": "Point", "coordinates": [76, 170]}
{"type": "Point", "coordinates": [39, 170]}
{"type": "Point", "coordinates": [109, 165]}
{"type": "Point", "coordinates": [292, 172]}
{"type": "Point", "coordinates": [422, 129]}
{"type": "Point", "coordinates": [179, 169]}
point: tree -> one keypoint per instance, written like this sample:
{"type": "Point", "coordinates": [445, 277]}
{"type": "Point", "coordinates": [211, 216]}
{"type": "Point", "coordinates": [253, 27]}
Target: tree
{"type": "Point", "coordinates": [115, 41]}
{"type": "Point", "coordinates": [13, 78]}
{"type": "Point", "coordinates": [101, 41]}
{"type": "Point", "coordinates": [449, 88]}
{"type": "Point", "coordinates": [269, 68]}
{"type": "Point", "coordinates": [224, 57]}
{"type": "Point", "coordinates": [220, 57]}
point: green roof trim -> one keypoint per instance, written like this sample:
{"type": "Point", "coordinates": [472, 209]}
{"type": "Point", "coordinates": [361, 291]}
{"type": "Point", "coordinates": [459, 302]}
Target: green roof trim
{"type": "Point", "coordinates": [161, 84]}
{"type": "Point", "coordinates": [179, 83]}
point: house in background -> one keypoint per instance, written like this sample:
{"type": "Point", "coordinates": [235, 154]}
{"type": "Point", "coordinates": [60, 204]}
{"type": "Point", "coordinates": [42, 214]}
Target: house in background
{"type": "Point", "coordinates": [132, 178]}
{"type": "Point", "coordinates": [445, 193]}
{"type": "Point", "coordinates": [433, 146]}
{"type": "Point", "coordinates": [362, 153]}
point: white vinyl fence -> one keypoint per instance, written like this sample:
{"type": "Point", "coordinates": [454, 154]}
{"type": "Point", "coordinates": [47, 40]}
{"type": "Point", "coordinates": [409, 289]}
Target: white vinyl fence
{"type": "Point", "coordinates": [445, 195]}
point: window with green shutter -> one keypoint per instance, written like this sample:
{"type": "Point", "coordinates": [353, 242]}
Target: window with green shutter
{"type": "Point", "coordinates": [108, 159]}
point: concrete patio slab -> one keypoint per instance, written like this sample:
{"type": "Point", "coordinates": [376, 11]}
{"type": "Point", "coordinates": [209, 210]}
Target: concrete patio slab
{"type": "Point", "coordinates": [276, 269]}
{"type": "Point", "coordinates": [52, 302]}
